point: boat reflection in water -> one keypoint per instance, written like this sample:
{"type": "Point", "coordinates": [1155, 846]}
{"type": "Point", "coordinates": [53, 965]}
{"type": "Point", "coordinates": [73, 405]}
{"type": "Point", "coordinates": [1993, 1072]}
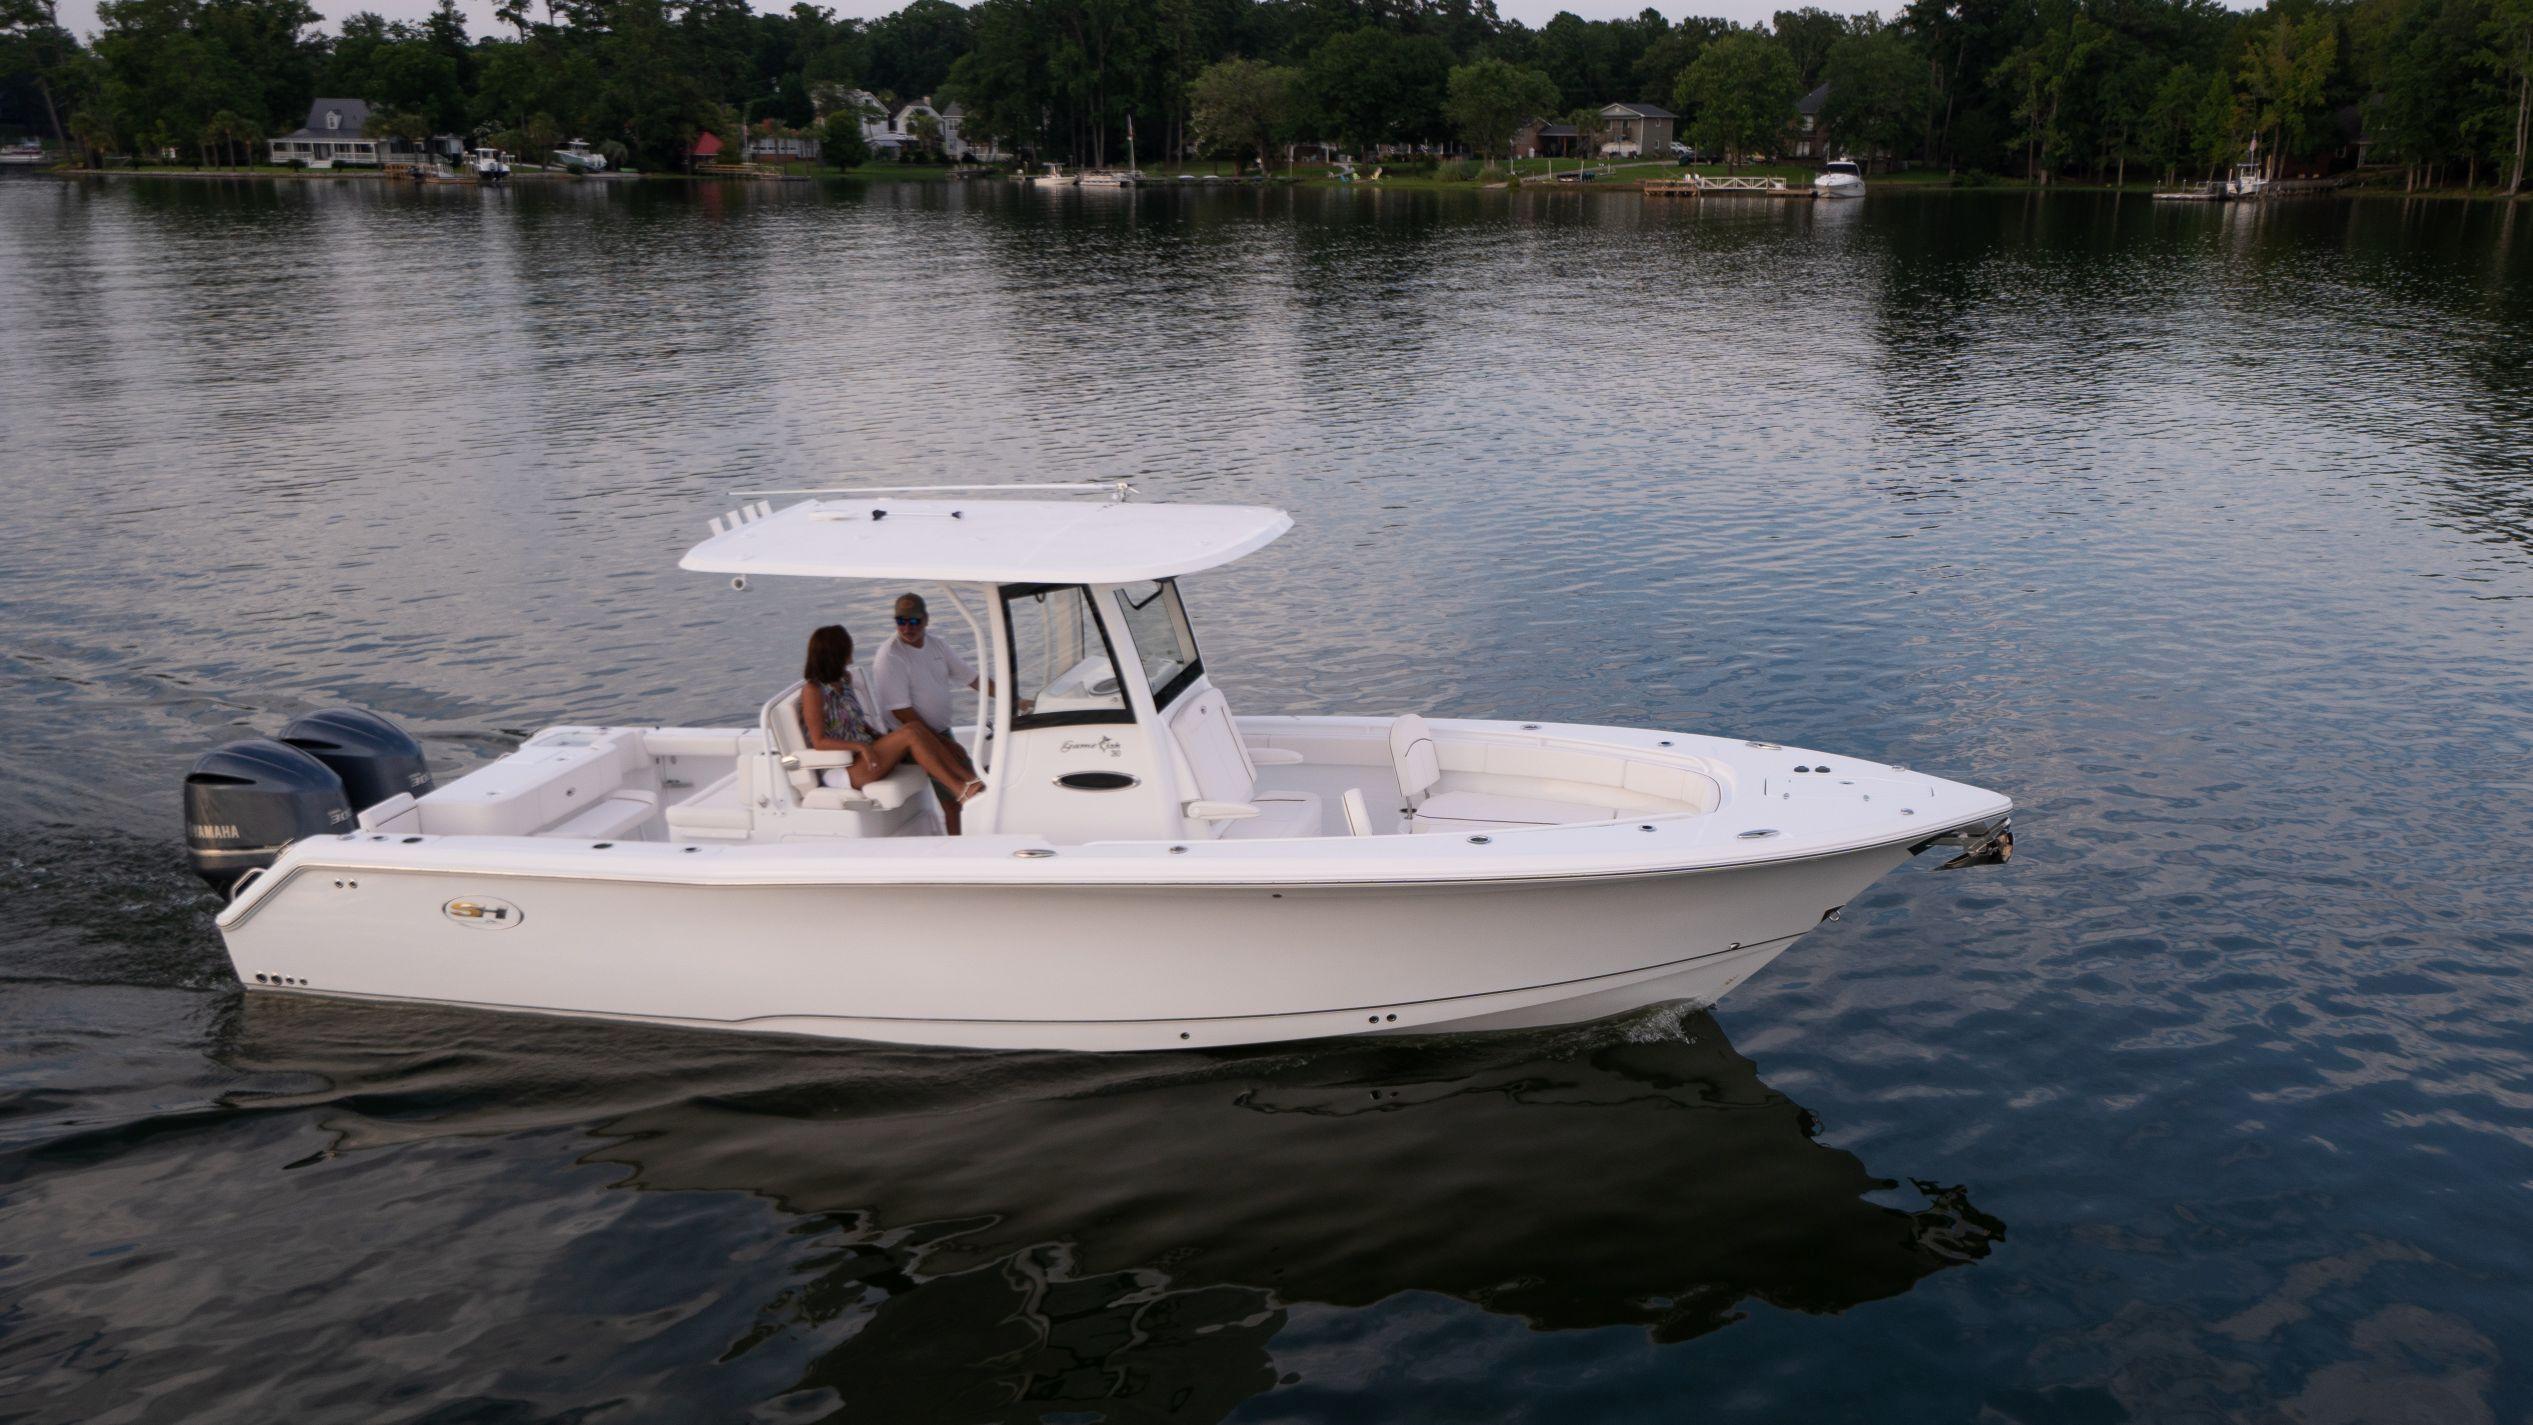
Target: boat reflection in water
{"type": "Point", "coordinates": [999, 1235]}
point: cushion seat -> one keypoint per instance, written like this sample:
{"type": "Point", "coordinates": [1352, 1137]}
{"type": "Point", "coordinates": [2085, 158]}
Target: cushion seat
{"type": "Point", "coordinates": [1279, 814]}
{"type": "Point", "coordinates": [1462, 811]}
{"type": "Point", "coordinates": [836, 790]}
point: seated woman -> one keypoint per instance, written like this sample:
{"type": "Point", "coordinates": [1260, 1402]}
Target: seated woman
{"type": "Point", "coordinates": [833, 720]}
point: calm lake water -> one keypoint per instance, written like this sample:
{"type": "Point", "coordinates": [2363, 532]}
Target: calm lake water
{"type": "Point", "coordinates": [2206, 533]}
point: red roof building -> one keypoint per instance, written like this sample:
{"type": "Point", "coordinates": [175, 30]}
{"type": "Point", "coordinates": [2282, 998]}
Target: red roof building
{"type": "Point", "coordinates": [707, 148]}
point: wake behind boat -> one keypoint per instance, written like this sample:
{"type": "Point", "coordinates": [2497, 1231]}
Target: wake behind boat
{"type": "Point", "coordinates": [1144, 870]}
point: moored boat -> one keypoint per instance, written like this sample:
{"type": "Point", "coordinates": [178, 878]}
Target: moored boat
{"type": "Point", "coordinates": [1144, 870]}
{"type": "Point", "coordinates": [579, 157]}
{"type": "Point", "coordinates": [1840, 178]}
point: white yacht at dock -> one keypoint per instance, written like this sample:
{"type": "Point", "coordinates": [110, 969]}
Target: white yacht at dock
{"type": "Point", "coordinates": [1840, 178]}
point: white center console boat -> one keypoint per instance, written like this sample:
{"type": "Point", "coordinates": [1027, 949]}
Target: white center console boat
{"type": "Point", "coordinates": [1147, 869]}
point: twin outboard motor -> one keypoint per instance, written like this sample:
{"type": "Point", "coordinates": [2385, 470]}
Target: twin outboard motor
{"type": "Point", "coordinates": [246, 801]}
{"type": "Point", "coordinates": [375, 758]}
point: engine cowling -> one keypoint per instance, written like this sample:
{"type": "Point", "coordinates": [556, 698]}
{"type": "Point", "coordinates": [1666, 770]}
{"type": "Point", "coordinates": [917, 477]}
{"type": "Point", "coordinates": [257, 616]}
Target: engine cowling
{"type": "Point", "coordinates": [375, 758]}
{"type": "Point", "coordinates": [246, 801]}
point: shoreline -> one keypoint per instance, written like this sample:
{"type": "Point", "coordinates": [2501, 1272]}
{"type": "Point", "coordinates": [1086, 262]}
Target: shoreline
{"type": "Point", "coordinates": [1320, 179]}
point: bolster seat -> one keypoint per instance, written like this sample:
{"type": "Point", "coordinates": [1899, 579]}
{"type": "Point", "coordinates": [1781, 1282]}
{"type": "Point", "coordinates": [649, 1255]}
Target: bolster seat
{"type": "Point", "coordinates": [1215, 764]}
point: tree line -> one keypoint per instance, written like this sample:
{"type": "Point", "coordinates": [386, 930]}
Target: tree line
{"type": "Point", "coordinates": [2037, 88]}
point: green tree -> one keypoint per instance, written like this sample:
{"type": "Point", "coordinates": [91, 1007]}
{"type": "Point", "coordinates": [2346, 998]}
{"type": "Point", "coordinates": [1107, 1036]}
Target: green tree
{"type": "Point", "coordinates": [1878, 92]}
{"type": "Point", "coordinates": [1741, 95]}
{"type": "Point", "coordinates": [2286, 72]}
{"type": "Point", "coordinates": [840, 140]}
{"type": "Point", "coordinates": [2417, 112]}
{"type": "Point", "coordinates": [2170, 138]}
{"type": "Point", "coordinates": [2123, 94]}
{"type": "Point", "coordinates": [36, 50]}
{"type": "Point", "coordinates": [2045, 81]}
{"type": "Point", "coordinates": [1657, 68]}
{"type": "Point", "coordinates": [1487, 99]}
{"type": "Point", "coordinates": [1808, 35]}
{"type": "Point", "coordinates": [1241, 104]}
{"type": "Point", "coordinates": [2509, 32]}
{"type": "Point", "coordinates": [2217, 128]}
{"type": "Point", "coordinates": [397, 126]}
{"type": "Point", "coordinates": [229, 135]}
{"type": "Point", "coordinates": [913, 48]}
{"type": "Point", "coordinates": [93, 131]}
{"type": "Point", "coordinates": [1373, 86]}
{"type": "Point", "coordinates": [538, 136]}
{"type": "Point", "coordinates": [1589, 130]}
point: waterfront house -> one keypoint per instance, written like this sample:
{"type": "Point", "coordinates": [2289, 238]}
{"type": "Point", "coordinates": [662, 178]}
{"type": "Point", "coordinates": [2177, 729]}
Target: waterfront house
{"type": "Point", "coordinates": [902, 121]}
{"type": "Point", "coordinates": [704, 151]}
{"type": "Point", "coordinates": [878, 120]}
{"type": "Point", "coordinates": [1637, 129]}
{"type": "Point", "coordinates": [773, 143]}
{"type": "Point", "coordinates": [1545, 138]}
{"type": "Point", "coordinates": [332, 137]}
{"type": "Point", "coordinates": [1807, 136]}
{"type": "Point", "coordinates": [955, 142]}
{"type": "Point", "coordinates": [888, 128]}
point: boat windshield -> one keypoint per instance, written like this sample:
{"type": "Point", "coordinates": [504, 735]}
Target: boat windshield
{"type": "Point", "coordinates": [1060, 658]}
{"type": "Point", "coordinates": [1843, 166]}
{"type": "Point", "coordinates": [1158, 624]}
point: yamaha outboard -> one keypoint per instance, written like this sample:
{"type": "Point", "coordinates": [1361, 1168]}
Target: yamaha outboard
{"type": "Point", "coordinates": [246, 801]}
{"type": "Point", "coordinates": [375, 758]}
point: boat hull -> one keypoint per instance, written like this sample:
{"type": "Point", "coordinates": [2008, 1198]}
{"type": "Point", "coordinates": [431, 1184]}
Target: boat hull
{"type": "Point", "coordinates": [1838, 185]}
{"type": "Point", "coordinates": [1041, 967]}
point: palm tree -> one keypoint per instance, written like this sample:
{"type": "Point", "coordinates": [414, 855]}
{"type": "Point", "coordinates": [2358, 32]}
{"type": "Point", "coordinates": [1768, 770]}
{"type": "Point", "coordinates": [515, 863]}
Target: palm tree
{"type": "Point", "coordinates": [1589, 129]}
{"type": "Point", "coordinates": [230, 133]}
{"type": "Point", "coordinates": [94, 133]}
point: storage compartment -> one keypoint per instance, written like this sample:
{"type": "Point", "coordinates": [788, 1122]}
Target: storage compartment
{"type": "Point", "coordinates": [716, 813]}
{"type": "Point", "coordinates": [555, 778]}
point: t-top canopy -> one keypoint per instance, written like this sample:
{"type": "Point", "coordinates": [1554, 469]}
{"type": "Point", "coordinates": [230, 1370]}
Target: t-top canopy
{"type": "Point", "coordinates": [986, 541]}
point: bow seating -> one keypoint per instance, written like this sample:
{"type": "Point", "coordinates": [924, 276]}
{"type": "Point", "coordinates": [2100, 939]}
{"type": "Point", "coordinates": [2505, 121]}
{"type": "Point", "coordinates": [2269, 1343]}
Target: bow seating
{"type": "Point", "coordinates": [1417, 759]}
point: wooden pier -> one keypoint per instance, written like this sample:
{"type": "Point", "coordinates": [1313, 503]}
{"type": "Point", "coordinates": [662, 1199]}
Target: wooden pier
{"type": "Point", "coordinates": [1698, 185]}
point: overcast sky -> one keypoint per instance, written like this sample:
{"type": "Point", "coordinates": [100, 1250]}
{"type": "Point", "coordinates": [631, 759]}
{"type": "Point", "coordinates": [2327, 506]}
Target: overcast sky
{"type": "Point", "coordinates": [81, 15]}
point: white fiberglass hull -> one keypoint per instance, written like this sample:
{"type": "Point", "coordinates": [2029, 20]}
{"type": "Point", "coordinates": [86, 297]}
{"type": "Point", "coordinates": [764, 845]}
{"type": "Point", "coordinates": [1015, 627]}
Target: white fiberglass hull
{"type": "Point", "coordinates": [1839, 185]}
{"type": "Point", "coordinates": [1039, 967]}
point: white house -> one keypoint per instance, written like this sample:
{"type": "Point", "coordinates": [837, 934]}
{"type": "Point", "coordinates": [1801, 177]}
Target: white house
{"type": "Point", "coordinates": [955, 142]}
{"type": "Point", "coordinates": [782, 148]}
{"type": "Point", "coordinates": [891, 129]}
{"type": "Point", "coordinates": [331, 136]}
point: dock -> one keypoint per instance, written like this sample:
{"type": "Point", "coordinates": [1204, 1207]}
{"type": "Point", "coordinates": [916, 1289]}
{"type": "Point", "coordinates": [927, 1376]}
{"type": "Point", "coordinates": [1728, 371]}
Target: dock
{"type": "Point", "coordinates": [756, 172]}
{"type": "Point", "coordinates": [1698, 185]}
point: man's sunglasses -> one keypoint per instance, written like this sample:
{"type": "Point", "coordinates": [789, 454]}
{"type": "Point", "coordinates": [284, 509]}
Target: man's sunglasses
{"type": "Point", "coordinates": [905, 622]}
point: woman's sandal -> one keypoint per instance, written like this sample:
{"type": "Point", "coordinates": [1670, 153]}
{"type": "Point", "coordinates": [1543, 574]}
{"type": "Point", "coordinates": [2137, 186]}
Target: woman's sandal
{"type": "Point", "coordinates": [971, 791]}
